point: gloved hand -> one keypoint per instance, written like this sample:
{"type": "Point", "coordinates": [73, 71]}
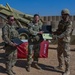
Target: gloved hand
{"type": "Point", "coordinates": [60, 38]}
{"type": "Point", "coordinates": [55, 37]}
{"type": "Point", "coordinates": [40, 32]}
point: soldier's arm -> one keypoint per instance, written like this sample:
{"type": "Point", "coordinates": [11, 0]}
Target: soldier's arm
{"type": "Point", "coordinates": [67, 32]}
{"type": "Point", "coordinates": [32, 32]}
{"type": "Point", "coordinates": [40, 25]}
{"type": "Point", "coordinates": [40, 29]}
{"type": "Point", "coordinates": [5, 35]}
{"type": "Point", "coordinates": [55, 32]}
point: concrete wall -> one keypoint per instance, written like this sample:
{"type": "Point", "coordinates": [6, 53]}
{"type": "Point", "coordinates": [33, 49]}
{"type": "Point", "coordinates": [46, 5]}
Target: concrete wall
{"type": "Point", "coordinates": [48, 20]}
{"type": "Point", "coordinates": [54, 20]}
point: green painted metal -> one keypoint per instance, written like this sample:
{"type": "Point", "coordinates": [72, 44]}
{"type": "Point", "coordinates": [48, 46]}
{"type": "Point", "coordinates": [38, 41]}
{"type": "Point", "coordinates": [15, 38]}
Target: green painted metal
{"type": "Point", "coordinates": [21, 18]}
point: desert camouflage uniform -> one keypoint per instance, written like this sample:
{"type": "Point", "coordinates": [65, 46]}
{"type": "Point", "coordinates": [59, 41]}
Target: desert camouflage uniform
{"type": "Point", "coordinates": [8, 33]}
{"type": "Point", "coordinates": [64, 43]}
{"type": "Point", "coordinates": [34, 42]}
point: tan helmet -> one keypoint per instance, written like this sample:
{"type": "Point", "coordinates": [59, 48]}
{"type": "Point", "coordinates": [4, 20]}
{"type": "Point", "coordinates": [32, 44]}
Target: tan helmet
{"type": "Point", "coordinates": [65, 11]}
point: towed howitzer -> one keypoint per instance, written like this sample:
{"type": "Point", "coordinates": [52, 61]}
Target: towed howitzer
{"type": "Point", "coordinates": [22, 20]}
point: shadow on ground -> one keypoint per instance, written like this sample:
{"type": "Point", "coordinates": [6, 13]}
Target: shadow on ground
{"type": "Point", "coordinates": [48, 68]}
{"type": "Point", "coordinates": [2, 55]}
{"type": "Point", "coordinates": [23, 64]}
{"type": "Point", "coordinates": [2, 69]}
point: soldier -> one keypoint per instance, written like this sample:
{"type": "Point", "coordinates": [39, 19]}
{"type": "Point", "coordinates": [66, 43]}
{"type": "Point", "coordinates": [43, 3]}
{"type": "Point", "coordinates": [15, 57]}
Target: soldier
{"type": "Point", "coordinates": [9, 32]}
{"type": "Point", "coordinates": [63, 35]}
{"type": "Point", "coordinates": [34, 42]}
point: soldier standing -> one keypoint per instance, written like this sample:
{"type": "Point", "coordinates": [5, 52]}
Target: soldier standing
{"type": "Point", "coordinates": [34, 42]}
{"type": "Point", "coordinates": [63, 35]}
{"type": "Point", "coordinates": [9, 32]}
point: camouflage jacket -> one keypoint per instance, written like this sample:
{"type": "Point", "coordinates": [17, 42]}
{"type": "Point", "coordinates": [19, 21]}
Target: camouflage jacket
{"type": "Point", "coordinates": [64, 30]}
{"type": "Point", "coordinates": [34, 29]}
{"type": "Point", "coordinates": [8, 33]}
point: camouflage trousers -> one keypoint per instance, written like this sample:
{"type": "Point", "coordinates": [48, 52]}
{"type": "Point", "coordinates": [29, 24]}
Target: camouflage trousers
{"type": "Point", "coordinates": [63, 50]}
{"type": "Point", "coordinates": [11, 57]}
{"type": "Point", "coordinates": [33, 50]}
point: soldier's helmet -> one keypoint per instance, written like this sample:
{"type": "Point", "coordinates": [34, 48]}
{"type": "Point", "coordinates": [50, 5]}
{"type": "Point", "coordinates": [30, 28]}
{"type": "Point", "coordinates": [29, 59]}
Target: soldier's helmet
{"type": "Point", "coordinates": [65, 11]}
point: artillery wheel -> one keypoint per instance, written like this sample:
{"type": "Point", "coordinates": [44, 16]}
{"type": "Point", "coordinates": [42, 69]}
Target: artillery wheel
{"type": "Point", "coordinates": [23, 33]}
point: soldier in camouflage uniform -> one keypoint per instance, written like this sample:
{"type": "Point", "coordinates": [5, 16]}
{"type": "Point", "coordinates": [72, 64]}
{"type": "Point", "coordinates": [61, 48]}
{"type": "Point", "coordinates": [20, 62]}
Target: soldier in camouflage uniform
{"type": "Point", "coordinates": [34, 42]}
{"type": "Point", "coordinates": [63, 35]}
{"type": "Point", "coordinates": [9, 32]}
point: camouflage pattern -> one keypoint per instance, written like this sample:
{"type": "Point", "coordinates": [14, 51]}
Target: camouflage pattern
{"type": "Point", "coordinates": [34, 43]}
{"type": "Point", "coordinates": [64, 33]}
{"type": "Point", "coordinates": [65, 11]}
{"type": "Point", "coordinates": [8, 33]}
{"type": "Point", "coordinates": [64, 30]}
{"type": "Point", "coordinates": [63, 48]}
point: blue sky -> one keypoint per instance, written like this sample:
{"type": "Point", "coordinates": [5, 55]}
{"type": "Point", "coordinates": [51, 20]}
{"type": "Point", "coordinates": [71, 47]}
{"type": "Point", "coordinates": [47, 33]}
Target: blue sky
{"type": "Point", "coordinates": [42, 7]}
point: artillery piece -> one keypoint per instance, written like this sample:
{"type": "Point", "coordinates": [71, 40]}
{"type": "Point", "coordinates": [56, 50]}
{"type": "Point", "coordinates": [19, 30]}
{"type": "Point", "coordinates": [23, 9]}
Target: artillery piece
{"type": "Point", "coordinates": [22, 20]}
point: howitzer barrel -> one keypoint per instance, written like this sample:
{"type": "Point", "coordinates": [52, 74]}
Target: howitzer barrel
{"type": "Point", "coordinates": [20, 17]}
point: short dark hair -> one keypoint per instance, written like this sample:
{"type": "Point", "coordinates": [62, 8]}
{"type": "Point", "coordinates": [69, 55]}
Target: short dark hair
{"type": "Point", "coordinates": [36, 15]}
{"type": "Point", "coordinates": [8, 17]}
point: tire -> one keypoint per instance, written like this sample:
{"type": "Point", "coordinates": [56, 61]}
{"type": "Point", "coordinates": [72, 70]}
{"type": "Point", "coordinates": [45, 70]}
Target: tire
{"type": "Point", "coordinates": [23, 33]}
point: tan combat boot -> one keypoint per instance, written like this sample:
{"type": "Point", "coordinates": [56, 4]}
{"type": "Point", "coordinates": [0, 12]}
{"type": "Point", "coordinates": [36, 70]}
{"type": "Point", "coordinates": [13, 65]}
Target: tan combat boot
{"type": "Point", "coordinates": [28, 68]}
{"type": "Point", "coordinates": [9, 73]}
{"type": "Point", "coordinates": [66, 73]}
{"type": "Point", "coordinates": [8, 70]}
{"type": "Point", "coordinates": [35, 65]}
{"type": "Point", "coordinates": [13, 72]}
{"type": "Point", "coordinates": [59, 68]}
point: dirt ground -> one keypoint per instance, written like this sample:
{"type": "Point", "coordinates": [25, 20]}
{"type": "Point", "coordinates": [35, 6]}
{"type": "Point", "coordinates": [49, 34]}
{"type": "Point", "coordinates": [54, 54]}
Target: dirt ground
{"type": "Point", "coordinates": [47, 64]}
